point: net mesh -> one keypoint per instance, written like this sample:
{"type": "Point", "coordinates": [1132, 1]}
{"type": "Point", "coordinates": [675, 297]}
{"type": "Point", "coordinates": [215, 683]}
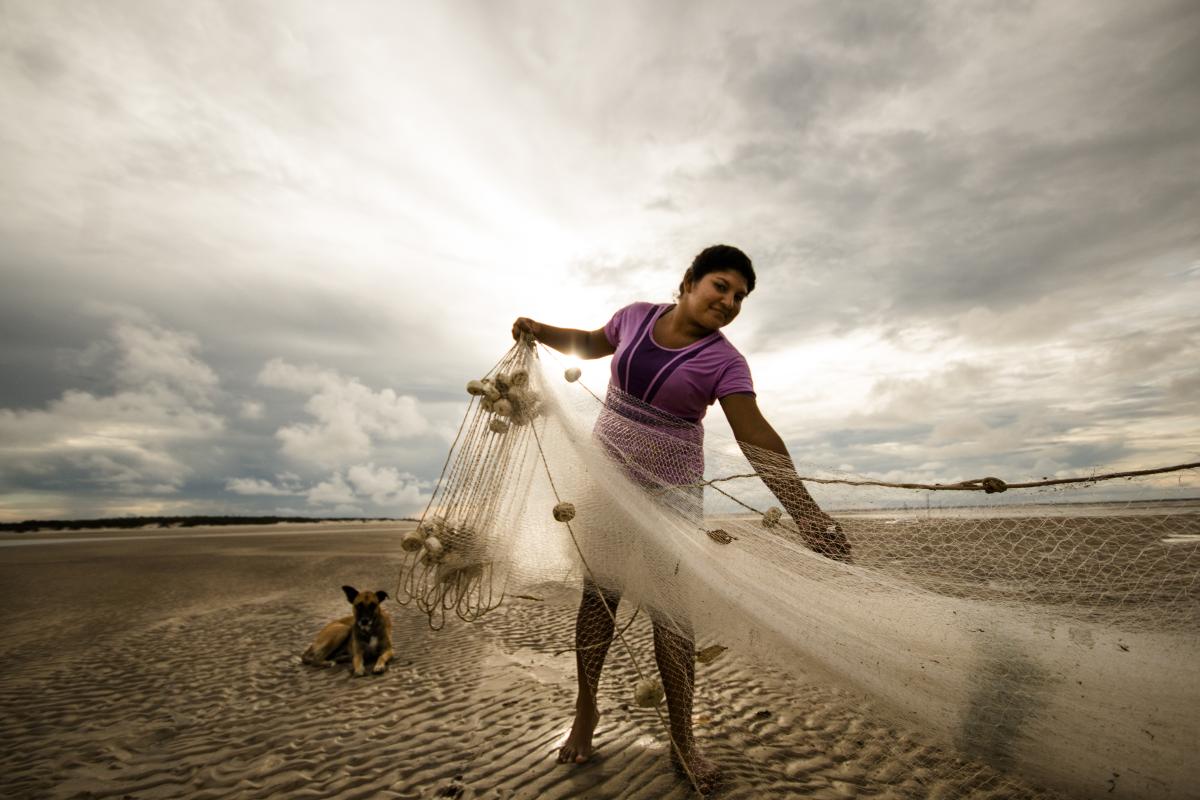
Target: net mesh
{"type": "Point", "coordinates": [1026, 644]}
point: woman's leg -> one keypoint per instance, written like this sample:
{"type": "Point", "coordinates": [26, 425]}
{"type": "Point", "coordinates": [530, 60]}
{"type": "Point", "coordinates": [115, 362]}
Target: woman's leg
{"type": "Point", "coordinates": [675, 652]}
{"type": "Point", "coordinates": [593, 635]}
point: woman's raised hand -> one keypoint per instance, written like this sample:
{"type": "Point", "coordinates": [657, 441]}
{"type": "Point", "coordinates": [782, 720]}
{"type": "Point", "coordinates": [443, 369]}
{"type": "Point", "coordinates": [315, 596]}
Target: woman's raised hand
{"type": "Point", "coordinates": [527, 325]}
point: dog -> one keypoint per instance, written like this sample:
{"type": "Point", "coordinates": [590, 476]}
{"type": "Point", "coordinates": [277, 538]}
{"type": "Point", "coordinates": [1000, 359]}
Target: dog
{"type": "Point", "coordinates": [366, 634]}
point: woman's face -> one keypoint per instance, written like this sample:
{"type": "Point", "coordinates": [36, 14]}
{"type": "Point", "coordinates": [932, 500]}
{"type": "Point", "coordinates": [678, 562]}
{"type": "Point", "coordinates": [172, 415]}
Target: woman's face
{"type": "Point", "coordinates": [714, 300]}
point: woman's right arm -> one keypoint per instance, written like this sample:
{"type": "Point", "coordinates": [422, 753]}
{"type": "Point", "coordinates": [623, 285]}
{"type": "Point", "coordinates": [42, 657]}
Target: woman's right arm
{"type": "Point", "coordinates": [573, 342]}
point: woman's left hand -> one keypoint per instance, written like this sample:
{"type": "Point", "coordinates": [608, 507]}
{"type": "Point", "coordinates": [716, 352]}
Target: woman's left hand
{"type": "Point", "coordinates": [824, 535]}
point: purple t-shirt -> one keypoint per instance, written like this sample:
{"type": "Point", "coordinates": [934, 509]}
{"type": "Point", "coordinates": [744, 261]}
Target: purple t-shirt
{"type": "Point", "coordinates": [683, 381]}
{"type": "Point", "coordinates": [664, 448]}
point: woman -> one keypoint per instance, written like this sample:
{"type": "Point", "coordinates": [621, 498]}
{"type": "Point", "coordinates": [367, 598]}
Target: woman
{"type": "Point", "coordinates": [675, 359]}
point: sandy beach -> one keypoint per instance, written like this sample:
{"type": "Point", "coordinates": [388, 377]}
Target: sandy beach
{"type": "Point", "coordinates": [165, 663]}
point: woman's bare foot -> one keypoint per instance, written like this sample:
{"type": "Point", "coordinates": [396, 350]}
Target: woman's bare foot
{"type": "Point", "coordinates": [578, 747]}
{"type": "Point", "coordinates": [705, 774]}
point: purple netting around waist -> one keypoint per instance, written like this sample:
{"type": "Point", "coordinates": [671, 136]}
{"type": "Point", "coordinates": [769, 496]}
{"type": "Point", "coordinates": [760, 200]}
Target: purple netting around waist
{"type": "Point", "coordinates": [654, 448]}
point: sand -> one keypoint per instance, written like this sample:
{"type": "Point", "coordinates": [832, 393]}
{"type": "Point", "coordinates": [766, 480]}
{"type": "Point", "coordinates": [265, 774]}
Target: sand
{"type": "Point", "coordinates": [166, 664]}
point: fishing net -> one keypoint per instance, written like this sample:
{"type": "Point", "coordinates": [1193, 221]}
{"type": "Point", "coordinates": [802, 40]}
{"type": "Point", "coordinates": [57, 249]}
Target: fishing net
{"type": "Point", "coordinates": [1034, 644]}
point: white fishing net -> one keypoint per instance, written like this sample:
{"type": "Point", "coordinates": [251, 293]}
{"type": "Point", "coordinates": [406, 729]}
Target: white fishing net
{"type": "Point", "coordinates": [1053, 644]}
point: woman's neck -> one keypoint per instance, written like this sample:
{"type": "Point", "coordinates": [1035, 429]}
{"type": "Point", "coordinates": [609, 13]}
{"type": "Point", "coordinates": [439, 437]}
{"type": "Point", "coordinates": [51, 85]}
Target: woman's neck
{"type": "Point", "coordinates": [675, 329]}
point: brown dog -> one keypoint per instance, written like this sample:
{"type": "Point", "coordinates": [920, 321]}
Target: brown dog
{"type": "Point", "coordinates": [365, 634]}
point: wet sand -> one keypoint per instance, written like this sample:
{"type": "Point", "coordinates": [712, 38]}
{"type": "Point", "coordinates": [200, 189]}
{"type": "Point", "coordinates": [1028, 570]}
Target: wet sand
{"type": "Point", "coordinates": [157, 663]}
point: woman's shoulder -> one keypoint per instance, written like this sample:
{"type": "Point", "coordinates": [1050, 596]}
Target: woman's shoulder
{"type": "Point", "coordinates": [626, 320]}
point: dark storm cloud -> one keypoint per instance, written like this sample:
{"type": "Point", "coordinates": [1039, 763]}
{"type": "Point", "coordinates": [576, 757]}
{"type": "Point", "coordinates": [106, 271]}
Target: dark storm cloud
{"type": "Point", "coordinates": [40, 61]}
{"type": "Point", "coordinates": [161, 432]}
{"type": "Point", "coordinates": [817, 67]}
{"type": "Point", "coordinates": [979, 208]}
{"type": "Point", "coordinates": [57, 338]}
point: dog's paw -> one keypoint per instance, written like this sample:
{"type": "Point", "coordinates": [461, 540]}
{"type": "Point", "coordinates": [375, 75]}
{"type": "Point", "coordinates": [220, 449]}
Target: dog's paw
{"type": "Point", "coordinates": [380, 669]}
{"type": "Point", "coordinates": [358, 673]}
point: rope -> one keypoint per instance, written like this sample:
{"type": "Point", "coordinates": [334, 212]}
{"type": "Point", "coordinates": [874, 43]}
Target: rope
{"type": "Point", "coordinates": [450, 452]}
{"type": "Point", "coordinates": [988, 485]}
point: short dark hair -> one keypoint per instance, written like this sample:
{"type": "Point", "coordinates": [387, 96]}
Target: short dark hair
{"type": "Point", "coordinates": [717, 258]}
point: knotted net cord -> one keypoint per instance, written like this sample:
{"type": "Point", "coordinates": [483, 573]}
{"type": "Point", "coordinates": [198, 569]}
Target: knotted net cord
{"type": "Point", "coordinates": [988, 485]}
{"type": "Point", "coordinates": [935, 612]}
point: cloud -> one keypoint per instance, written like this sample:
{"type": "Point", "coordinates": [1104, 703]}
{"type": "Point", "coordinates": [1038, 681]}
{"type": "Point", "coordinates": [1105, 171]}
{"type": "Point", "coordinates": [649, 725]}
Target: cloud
{"type": "Point", "coordinates": [385, 486]}
{"type": "Point", "coordinates": [140, 438]}
{"type": "Point", "coordinates": [353, 490]}
{"type": "Point", "coordinates": [258, 487]}
{"type": "Point", "coordinates": [886, 180]}
{"type": "Point", "coordinates": [363, 485]}
{"type": "Point", "coordinates": [349, 416]}
{"type": "Point", "coordinates": [1185, 388]}
{"type": "Point", "coordinates": [153, 358]}
{"type": "Point", "coordinates": [251, 409]}
{"type": "Point", "coordinates": [335, 492]}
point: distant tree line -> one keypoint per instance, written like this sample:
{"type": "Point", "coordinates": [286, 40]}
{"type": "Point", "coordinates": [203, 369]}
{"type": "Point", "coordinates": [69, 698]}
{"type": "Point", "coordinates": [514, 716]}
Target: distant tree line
{"type": "Point", "coordinates": [173, 522]}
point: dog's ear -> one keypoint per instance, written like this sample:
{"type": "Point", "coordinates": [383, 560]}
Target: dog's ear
{"type": "Point", "coordinates": [351, 593]}
{"type": "Point", "coordinates": [381, 594]}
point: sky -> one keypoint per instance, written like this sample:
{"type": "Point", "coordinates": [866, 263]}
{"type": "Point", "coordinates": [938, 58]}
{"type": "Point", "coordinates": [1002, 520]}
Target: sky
{"type": "Point", "coordinates": [251, 252]}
